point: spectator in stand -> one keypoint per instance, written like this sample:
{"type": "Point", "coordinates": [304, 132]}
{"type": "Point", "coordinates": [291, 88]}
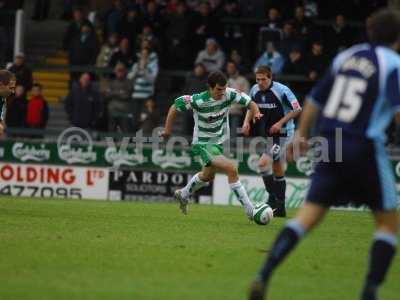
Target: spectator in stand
{"type": "Point", "coordinates": [153, 56]}
{"type": "Point", "coordinates": [295, 64]}
{"type": "Point", "coordinates": [271, 58]}
{"type": "Point", "coordinates": [22, 72]}
{"type": "Point", "coordinates": [172, 6]}
{"type": "Point", "coordinates": [193, 4]}
{"type": "Point", "coordinates": [302, 24]}
{"type": "Point", "coordinates": [139, 5]}
{"type": "Point", "coordinates": [317, 61]}
{"type": "Point", "coordinates": [149, 117]}
{"type": "Point", "coordinates": [235, 79]}
{"type": "Point", "coordinates": [132, 25]}
{"type": "Point", "coordinates": [211, 57]}
{"type": "Point", "coordinates": [289, 39]}
{"type": "Point", "coordinates": [4, 45]}
{"type": "Point", "coordinates": [143, 74]}
{"type": "Point", "coordinates": [311, 7]}
{"type": "Point", "coordinates": [240, 83]}
{"type": "Point", "coordinates": [107, 50]}
{"type": "Point", "coordinates": [235, 56]}
{"type": "Point", "coordinates": [83, 49]}
{"type": "Point", "coordinates": [98, 28]}
{"type": "Point", "coordinates": [114, 17]}
{"type": "Point", "coordinates": [118, 96]}
{"type": "Point", "coordinates": [123, 55]}
{"type": "Point", "coordinates": [178, 32]}
{"type": "Point", "coordinates": [153, 17]}
{"type": "Point", "coordinates": [16, 109]}
{"type": "Point", "coordinates": [196, 80]}
{"type": "Point", "coordinates": [147, 34]}
{"type": "Point", "coordinates": [83, 103]}
{"type": "Point", "coordinates": [204, 25]}
{"type": "Point", "coordinates": [252, 9]}
{"type": "Point", "coordinates": [37, 113]}
{"type": "Point", "coordinates": [232, 32]}
{"type": "Point", "coordinates": [74, 28]}
{"type": "Point", "coordinates": [271, 31]}
{"type": "Point", "coordinates": [338, 36]}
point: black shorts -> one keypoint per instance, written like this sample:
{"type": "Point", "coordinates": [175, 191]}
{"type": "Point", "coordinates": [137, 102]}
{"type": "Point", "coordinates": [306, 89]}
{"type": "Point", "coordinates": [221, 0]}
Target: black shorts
{"type": "Point", "coordinates": [276, 146]}
{"type": "Point", "coordinates": [364, 177]}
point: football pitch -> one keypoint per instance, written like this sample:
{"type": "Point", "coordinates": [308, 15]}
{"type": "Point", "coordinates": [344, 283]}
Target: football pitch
{"type": "Point", "coordinates": [60, 249]}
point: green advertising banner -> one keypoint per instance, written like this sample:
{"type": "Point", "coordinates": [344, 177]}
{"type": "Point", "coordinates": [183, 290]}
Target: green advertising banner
{"type": "Point", "coordinates": [126, 156]}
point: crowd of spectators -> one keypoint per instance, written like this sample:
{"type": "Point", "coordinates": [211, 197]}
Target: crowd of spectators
{"type": "Point", "coordinates": [22, 113]}
{"type": "Point", "coordinates": [137, 38]}
{"type": "Point", "coordinates": [133, 40]}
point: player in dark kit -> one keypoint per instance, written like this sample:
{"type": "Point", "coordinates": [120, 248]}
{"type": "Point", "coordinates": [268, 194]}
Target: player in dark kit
{"type": "Point", "coordinates": [279, 106]}
{"type": "Point", "coordinates": [7, 87]}
{"type": "Point", "coordinates": [360, 94]}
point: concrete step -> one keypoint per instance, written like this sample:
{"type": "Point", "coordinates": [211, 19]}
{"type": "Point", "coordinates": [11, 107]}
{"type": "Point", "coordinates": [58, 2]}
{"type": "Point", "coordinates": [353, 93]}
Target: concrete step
{"type": "Point", "coordinates": [58, 128]}
{"type": "Point", "coordinates": [61, 54]}
{"type": "Point", "coordinates": [47, 93]}
{"type": "Point", "coordinates": [49, 84]}
{"type": "Point", "coordinates": [57, 61]}
{"type": "Point", "coordinates": [57, 115]}
{"type": "Point", "coordinates": [50, 76]}
{"type": "Point", "coordinates": [58, 107]}
{"type": "Point", "coordinates": [52, 99]}
{"type": "Point", "coordinates": [55, 92]}
{"type": "Point", "coordinates": [58, 123]}
{"type": "Point", "coordinates": [39, 51]}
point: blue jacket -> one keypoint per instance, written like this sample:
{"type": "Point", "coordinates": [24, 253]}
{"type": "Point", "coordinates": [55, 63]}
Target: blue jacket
{"type": "Point", "coordinates": [275, 62]}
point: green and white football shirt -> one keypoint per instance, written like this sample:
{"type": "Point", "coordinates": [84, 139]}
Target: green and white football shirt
{"type": "Point", "coordinates": [211, 123]}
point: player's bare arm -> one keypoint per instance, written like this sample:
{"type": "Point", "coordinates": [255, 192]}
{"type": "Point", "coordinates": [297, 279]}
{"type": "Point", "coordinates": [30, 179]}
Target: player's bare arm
{"type": "Point", "coordinates": [253, 113]}
{"type": "Point", "coordinates": [169, 122]}
{"type": "Point", "coordinates": [289, 116]}
{"type": "Point", "coordinates": [299, 145]}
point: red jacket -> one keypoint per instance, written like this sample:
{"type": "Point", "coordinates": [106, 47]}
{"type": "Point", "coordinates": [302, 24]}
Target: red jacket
{"type": "Point", "coordinates": [37, 112]}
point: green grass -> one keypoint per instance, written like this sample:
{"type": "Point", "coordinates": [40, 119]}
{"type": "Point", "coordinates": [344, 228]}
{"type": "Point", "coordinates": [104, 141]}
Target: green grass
{"type": "Point", "coordinates": [54, 249]}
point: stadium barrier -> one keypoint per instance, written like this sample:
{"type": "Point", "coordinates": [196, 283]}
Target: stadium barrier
{"type": "Point", "coordinates": [115, 172]}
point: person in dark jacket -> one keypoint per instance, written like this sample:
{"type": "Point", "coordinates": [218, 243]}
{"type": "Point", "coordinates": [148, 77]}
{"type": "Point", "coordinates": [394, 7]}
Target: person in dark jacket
{"type": "Point", "coordinates": [149, 117]}
{"type": "Point", "coordinates": [16, 110]}
{"type": "Point", "coordinates": [83, 103]}
{"type": "Point", "coordinates": [74, 28]}
{"type": "Point", "coordinates": [83, 49]}
{"type": "Point", "coordinates": [295, 64]}
{"type": "Point", "coordinates": [195, 81]}
{"type": "Point", "coordinates": [123, 55]}
{"type": "Point", "coordinates": [22, 72]}
{"type": "Point", "coordinates": [317, 61]}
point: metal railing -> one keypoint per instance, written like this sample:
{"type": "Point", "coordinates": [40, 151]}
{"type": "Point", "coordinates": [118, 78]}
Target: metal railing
{"type": "Point", "coordinates": [19, 32]}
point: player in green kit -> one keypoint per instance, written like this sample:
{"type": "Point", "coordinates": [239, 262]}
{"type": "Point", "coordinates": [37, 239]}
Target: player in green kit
{"type": "Point", "coordinates": [211, 128]}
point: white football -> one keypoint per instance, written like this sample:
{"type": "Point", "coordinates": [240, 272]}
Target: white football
{"type": "Point", "coordinates": [263, 214]}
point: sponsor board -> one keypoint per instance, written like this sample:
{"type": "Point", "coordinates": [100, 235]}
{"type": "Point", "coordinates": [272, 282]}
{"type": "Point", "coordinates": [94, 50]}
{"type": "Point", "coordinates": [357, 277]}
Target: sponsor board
{"type": "Point", "coordinates": [75, 146]}
{"type": "Point", "coordinates": [30, 152]}
{"type": "Point", "coordinates": [128, 184]}
{"type": "Point", "coordinates": [296, 191]}
{"type": "Point", "coordinates": [29, 180]}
